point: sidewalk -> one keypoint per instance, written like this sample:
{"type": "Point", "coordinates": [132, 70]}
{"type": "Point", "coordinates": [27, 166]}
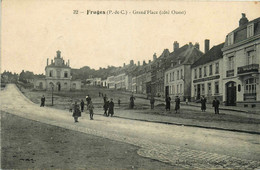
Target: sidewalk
{"type": "Point", "coordinates": [211, 121]}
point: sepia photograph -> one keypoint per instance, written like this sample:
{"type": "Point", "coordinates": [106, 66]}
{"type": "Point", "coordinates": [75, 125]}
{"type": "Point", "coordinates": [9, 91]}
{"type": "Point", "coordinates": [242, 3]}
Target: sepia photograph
{"type": "Point", "coordinates": [130, 84]}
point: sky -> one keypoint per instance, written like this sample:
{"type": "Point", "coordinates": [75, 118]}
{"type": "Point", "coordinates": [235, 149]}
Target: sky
{"type": "Point", "coordinates": [32, 31]}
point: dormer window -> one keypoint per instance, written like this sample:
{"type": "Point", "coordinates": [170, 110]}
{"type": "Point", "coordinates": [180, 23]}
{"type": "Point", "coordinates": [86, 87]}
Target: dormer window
{"type": "Point", "coordinates": [250, 30]}
{"type": "Point", "coordinates": [231, 38]}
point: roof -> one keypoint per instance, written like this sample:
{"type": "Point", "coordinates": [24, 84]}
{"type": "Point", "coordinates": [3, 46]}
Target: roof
{"type": "Point", "coordinates": [52, 65]}
{"type": "Point", "coordinates": [213, 54]}
{"type": "Point", "coordinates": [240, 33]}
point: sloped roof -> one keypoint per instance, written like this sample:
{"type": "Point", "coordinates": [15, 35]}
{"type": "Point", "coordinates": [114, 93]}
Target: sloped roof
{"type": "Point", "coordinates": [213, 54]}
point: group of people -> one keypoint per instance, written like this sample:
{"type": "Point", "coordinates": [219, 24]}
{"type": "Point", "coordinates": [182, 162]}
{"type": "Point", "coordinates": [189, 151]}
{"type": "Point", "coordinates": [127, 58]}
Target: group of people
{"type": "Point", "coordinates": [109, 106]}
{"type": "Point", "coordinates": [215, 104]}
{"type": "Point", "coordinates": [168, 103]}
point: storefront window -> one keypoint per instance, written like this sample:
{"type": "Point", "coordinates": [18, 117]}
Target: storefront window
{"type": "Point", "coordinates": [250, 86]}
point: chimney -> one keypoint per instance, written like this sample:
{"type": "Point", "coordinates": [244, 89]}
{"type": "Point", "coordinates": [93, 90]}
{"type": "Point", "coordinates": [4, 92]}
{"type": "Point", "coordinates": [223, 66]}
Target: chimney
{"type": "Point", "coordinates": [243, 20]}
{"type": "Point", "coordinates": [197, 45]}
{"type": "Point", "coordinates": [154, 57]}
{"type": "Point", "coordinates": [144, 63]}
{"type": "Point", "coordinates": [68, 62]}
{"type": "Point", "coordinates": [175, 46]}
{"type": "Point", "coordinates": [47, 61]}
{"type": "Point", "coordinates": [138, 63]}
{"type": "Point", "coordinates": [58, 54]}
{"type": "Point", "coordinates": [131, 62]}
{"type": "Point", "coordinates": [124, 64]}
{"type": "Point", "coordinates": [206, 45]}
{"type": "Point", "coordinates": [149, 61]}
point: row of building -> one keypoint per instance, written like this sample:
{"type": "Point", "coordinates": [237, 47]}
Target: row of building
{"type": "Point", "coordinates": [228, 71]}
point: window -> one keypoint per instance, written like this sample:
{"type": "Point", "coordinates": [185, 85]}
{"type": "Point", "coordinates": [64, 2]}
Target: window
{"type": "Point", "coordinates": [180, 88]}
{"type": "Point", "coordinates": [200, 72]}
{"type": "Point", "coordinates": [177, 88]}
{"type": "Point", "coordinates": [251, 57]}
{"type": "Point", "coordinates": [170, 77]}
{"type": "Point", "coordinates": [209, 88]}
{"type": "Point", "coordinates": [51, 73]}
{"type": "Point", "coordinates": [205, 71]}
{"type": "Point", "coordinates": [195, 73]}
{"type": "Point", "coordinates": [65, 74]}
{"type": "Point", "coordinates": [166, 78]}
{"type": "Point", "coordinates": [58, 74]}
{"type": "Point", "coordinates": [231, 63]}
{"type": "Point", "coordinates": [181, 74]}
{"type": "Point", "coordinates": [178, 76]}
{"type": "Point", "coordinates": [216, 87]}
{"type": "Point", "coordinates": [230, 38]}
{"type": "Point", "coordinates": [250, 86]}
{"type": "Point", "coordinates": [217, 68]}
{"type": "Point", "coordinates": [195, 90]}
{"type": "Point", "coordinates": [250, 30]}
{"type": "Point", "coordinates": [210, 69]}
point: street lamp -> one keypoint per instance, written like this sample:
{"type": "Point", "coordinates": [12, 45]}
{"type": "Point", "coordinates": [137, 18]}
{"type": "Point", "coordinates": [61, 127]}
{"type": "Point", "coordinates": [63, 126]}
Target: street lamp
{"type": "Point", "coordinates": [52, 95]}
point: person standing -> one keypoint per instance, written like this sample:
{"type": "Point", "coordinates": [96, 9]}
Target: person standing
{"type": "Point", "coordinates": [119, 102]}
{"type": "Point", "coordinates": [168, 102]}
{"type": "Point", "coordinates": [91, 110]}
{"type": "Point", "coordinates": [88, 99]}
{"type": "Point", "coordinates": [76, 113]}
{"type": "Point", "coordinates": [177, 104]}
{"type": "Point", "coordinates": [111, 108]}
{"type": "Point", "coordinates": [203, 103]}
{"type": "Point", "coordinates": [42, 101]}
{"type": "Point", "coordinates": [152, 102]}
{"type": "Point", "coordinates": [132, 102]}
{"type": "Point", "coordinates": [106, 106]}
{"type": "Point", "coordinates": [215, 104]}
{"type": "Point", "coordinates": [82, 105]}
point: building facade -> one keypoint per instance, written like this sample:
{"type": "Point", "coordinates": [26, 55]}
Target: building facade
{"type": "Point", "coordinates": [207, 75]}
{"type": "Point", "coordinates": [241, 59]}
{"type": "Point", "coordinates": [57, 76]}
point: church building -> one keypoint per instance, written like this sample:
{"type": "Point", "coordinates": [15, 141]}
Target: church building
{"type": "Point", "coordinates": [57, 76]}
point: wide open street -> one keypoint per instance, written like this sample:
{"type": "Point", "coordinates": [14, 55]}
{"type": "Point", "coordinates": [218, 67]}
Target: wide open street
{"type": "Point", "coordinates": [187, 147]}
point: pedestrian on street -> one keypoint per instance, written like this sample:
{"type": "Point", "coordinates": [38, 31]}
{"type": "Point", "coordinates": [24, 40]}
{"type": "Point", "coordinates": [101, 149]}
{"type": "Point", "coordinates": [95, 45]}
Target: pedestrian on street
{"type": "Point", "coordinates": [91, 110]}
{"type": "Point", "coordinates": [168, 103]}
{"type": "Point", "coordinates": [215, 104]}
{"type": "Point", "coordinates": [177, 104]}
{"type": "Point", "coordinates": [203, 103]}
{"type": "Point", "coordinates": [82, 105]}
{"type": "Point", "coordinates": [88, 99]}
{"type": "Point", "coordinates": [111, 108]}
{"type": "Point", "coordinates": [132, 102]}
{"type": "Point", "coordinates": [42, 101]}
{"type": "Point", "coordinates": [119, 102]}
{"type": "Point", "coordinates": [106, 106]}
{"type": "Point", "coordinates": [76, 113]}
{"type": "Point", "coordinates": [152, 102]}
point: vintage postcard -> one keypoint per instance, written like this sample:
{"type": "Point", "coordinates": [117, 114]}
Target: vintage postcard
{"type": "Point", "coordinates": [130, 84]}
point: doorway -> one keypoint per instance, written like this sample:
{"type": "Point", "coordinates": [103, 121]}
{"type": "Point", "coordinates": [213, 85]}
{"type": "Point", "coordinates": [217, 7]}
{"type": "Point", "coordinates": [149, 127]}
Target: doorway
{"type": "Point", "coordinates": [231, 93]}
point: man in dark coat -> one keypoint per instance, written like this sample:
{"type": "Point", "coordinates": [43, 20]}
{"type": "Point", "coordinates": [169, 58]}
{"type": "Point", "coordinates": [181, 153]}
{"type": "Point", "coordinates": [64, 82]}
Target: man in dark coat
{"type": "Point", "coordinates": [106, 106]}
{"type": "Point", "coordinates": [132, 102]}
{"type": "Point", "coordinates": [168, 102]}
{"type": "Point", "coordinates": [177, 103]}
{"type": "Point", "coordinates": [203, 103]}
{"type": "Point", "coordinates": [76, 113]}
{"type": "Point", "coordinates": [111, 108]}
{"type": "Point", "coordinates": [152, 102]}
{"type": "Point", "coordinates": [88, 99]}
{"type": "Point", "coordinates": [215, 104]}
{"type": "Point", "coordinates": [82, 105]}
{"type": "Point", "coordinates": [42, 101]}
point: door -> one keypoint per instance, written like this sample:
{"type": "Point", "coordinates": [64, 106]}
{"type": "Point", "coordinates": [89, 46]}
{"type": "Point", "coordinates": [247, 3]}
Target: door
{"type": "Point", "coordinates": [198, 91]}
{"type": "Point", "coordinates": [166, 91]}
{"type": "Point", "coordinates": [231, 93]}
